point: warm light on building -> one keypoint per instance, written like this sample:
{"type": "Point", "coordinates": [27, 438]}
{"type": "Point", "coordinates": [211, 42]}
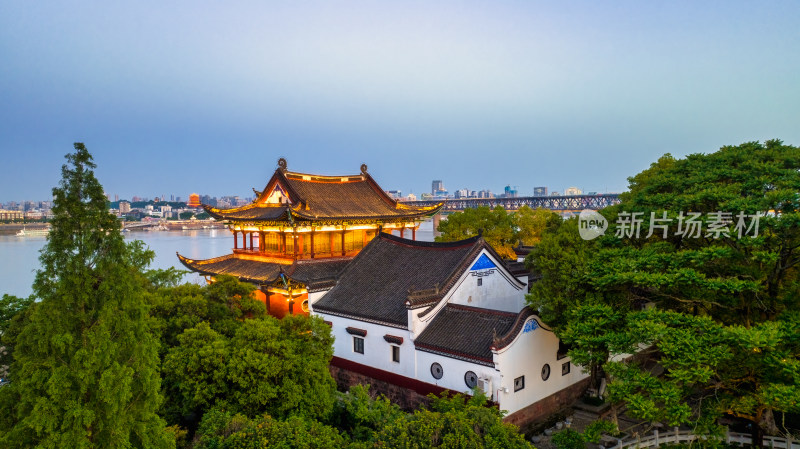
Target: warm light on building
{"type": "Point", "coordinates": [194, 200]}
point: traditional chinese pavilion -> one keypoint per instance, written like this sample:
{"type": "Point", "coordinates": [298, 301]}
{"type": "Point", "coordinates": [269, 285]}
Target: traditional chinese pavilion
{"type": "Point", "coordinates": [302, 230]}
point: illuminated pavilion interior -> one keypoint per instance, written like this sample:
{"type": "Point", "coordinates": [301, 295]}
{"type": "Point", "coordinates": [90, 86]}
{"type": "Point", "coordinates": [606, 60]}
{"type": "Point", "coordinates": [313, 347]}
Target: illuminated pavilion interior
{"type": "Point", "coordinates": [302, 230]}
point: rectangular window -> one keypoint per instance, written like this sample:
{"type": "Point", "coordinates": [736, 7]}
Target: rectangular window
{"type": "Point", "coordinates": [519, 383]}
{"type": "Point", "coordinates": [480, 282]}
{"type": "Point", "coordinates": [358, 345]}
{"type": "Point", "coordinates": [396, 353]}
{"type": "Point", "coordinates": [565, 369]}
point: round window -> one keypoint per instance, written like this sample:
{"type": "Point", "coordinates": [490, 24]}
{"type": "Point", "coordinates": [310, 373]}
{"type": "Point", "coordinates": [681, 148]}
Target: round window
{"type": "Point", "coordinates": [471, 379]}
{"type": "Point", "coordinates": [545, 372]}
{"type": "Point", "coordinates": [304, 306]}
{"type": "Point", "coordinates": [436, 371]}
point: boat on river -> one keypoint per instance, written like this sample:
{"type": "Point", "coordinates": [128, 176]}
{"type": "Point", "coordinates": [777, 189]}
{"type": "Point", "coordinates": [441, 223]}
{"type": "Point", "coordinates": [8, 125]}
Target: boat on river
{"type": "Point", "coordinates": [39, 232]}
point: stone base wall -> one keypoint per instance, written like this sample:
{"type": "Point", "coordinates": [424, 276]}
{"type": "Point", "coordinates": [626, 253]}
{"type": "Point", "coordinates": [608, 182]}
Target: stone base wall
{"type": "Point", "coordinates": [540, 410]}
{"type": "Point", "coordinates": [409, 394]}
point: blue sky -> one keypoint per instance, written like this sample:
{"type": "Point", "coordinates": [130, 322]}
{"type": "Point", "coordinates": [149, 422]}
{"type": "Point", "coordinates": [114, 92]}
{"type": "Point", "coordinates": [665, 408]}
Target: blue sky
{"type": "Point", "coordinates": [192, 96]}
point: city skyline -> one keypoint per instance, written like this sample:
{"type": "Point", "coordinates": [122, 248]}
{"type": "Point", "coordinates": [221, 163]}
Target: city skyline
{"type": "Point", "coordinates": [188, 97]}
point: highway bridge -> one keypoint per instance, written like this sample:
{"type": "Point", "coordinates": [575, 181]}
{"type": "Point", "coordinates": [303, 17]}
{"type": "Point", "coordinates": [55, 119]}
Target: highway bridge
{"type": "Point", "coordinates": [555, 203]}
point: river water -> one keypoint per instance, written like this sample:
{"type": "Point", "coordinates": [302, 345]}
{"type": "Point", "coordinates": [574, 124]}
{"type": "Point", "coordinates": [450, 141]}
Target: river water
{"type": "Point", "coordinates": [19, 256]}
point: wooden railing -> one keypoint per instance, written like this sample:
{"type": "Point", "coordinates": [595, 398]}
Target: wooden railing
{"type": "Point", "coordinates": [684, 436]}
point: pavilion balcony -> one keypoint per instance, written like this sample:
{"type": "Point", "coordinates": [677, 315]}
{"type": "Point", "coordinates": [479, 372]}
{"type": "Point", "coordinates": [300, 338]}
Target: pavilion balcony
{"type": "Point", "coordinates": [255, 253]}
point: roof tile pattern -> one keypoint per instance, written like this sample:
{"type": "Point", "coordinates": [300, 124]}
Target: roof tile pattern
{"type": "Point", "coordinates": [251, 212]}
{"type": "Point", "coordinates": [323, 198]}
{"type": "Point", "coordinates": [344, 199]}
{"type": "Point", "coordinates": [316, 274]}
{"type": "Point", "coordinates": [376, 285]}
{"type": "Point", "coordinates": [465, 332]}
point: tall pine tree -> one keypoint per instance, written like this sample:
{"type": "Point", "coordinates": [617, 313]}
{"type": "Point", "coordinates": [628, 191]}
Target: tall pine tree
{"type": "Point", "coordinates": [86, 363]}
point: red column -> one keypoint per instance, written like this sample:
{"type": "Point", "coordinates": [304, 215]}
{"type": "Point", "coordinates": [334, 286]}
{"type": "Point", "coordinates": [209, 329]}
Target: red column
{"type": "Point", "coordinates": [312, 244]}
{"type": "Point", "coordinates": [333, 240]}
{"type": "Point", "coordinates": [251, 241]}
{"type": "Point", "coordinates": [413, 233]}
{"type": "Point", "coordinates": [300, 247]}
{"type": "Point", "coordinates": [283, 243]}
{"type": "Point", "coordinates": [294, 241]}
{"type": "Point", "coordinates": [402, 231]}
{"type": "Point", "coordinates": [343, 249]}
{"type": "Point", "coordinates": [235, 240]}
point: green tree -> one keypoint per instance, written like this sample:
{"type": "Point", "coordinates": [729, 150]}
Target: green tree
{"type": "Point", "coordinates": [270, 366]}
{"type": "Point", "coordinates": [561, 258]}
{"type": "Point", "coordinates": [453, 422]}
{"type": "Point", "coordinates": [496, 225]}
{"type": "Point", "coordinates": [362, 416]}
{"type": "Point", "coordinates": [293, 433]}
{"type": "Point", "coordinates": [85, 372]}
{"type": "Point", "coordinates": [530, 224]}
{"type": "Point", "coordinates": [725, 303]}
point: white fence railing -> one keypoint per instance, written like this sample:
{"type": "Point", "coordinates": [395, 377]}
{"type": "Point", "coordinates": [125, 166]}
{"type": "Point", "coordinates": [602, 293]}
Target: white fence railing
{"type": "Point", "coordinates": [684, 436]}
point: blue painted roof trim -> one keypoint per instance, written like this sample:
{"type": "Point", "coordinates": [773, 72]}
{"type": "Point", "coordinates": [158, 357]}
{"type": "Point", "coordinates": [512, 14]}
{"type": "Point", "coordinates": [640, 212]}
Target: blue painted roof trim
{"type": "Point", "coordinates": [483, 263]}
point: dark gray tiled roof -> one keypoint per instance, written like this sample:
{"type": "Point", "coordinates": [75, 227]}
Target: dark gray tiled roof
{"type": "Point", "coordinates": [317, 274]}
{"type": "Point", "coordinates": [251, 212]}
{"type": "Point", "coordinates": [465, 333]}
{"type": "Point", "coordinates": [324, 198]}
{"type": "Point", "coordinates": [379, 281]}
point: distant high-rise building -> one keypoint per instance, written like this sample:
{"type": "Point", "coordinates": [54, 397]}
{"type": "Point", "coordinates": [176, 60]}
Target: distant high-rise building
{"type": "Point", "coordinates": [437, 186]}
{"type": "Point", "coordinates": [572, 191]}
{"type": "Point", "coordinates": [396, 194]}
{"type": "Point", "coordinates": [116, 197]}
{"type": "Point", "coordinates": [540, 191]}
{"type": "Point", "coordinates": [461, 193]}
{"type": "Point", "coordinates": [124, 207]}
{"type": "Point", "coordinates": [510, 192]}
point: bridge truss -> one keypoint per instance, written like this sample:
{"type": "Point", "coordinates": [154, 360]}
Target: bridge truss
{"type": "Point", "coordinates": [555, 203]}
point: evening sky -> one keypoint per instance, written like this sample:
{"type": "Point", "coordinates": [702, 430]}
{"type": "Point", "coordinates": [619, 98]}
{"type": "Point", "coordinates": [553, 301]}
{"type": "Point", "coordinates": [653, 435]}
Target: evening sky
{"type": "Point", "coordinates": [196, 96]}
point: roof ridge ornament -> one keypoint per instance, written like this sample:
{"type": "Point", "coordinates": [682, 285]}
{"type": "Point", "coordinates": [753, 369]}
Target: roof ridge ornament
{"type": "Point", "coordinates": [363, 169]}
{"type": "Point", "coordinates": [282, 164]}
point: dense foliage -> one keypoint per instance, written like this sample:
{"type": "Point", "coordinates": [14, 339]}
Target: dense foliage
{"type": "Point", "coordinates": [81, 358]}
{"type": "Point", "coordinates": [500, 229]}
{"type": "Point", "coordinates": [711, 314]}
{"type": "Point", "coordinates": [85, 362]}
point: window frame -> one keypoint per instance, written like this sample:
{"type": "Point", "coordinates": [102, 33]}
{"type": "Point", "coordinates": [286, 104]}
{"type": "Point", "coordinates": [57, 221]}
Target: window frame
{"type": "Point", "coordinates": [358, 343]}
{"type": "Point", "coordinates": [519, 383]}
{"type": "Point", "coordinates": [395, 353]}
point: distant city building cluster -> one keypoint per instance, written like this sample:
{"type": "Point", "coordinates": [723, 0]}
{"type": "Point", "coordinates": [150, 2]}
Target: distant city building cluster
{"type": "Point", "coordinates": [137, 208]}
{"type": "Point", "coordinates": [142, 208]}
{"type": "Point", "coordinates": [26, 210]}
{"type": "Point", "coordinates": [439, 192]}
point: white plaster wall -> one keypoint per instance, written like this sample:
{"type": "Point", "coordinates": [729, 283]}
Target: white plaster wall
{"type": "Point", "coordinates": [500, 290]}
{"type": "Point", "coordinates": [453, 372]}
{"type": "Point", "coordinates": [526, 356]}
{"type": "Point", "coordinates": [377, 351]}
{"type": "Point", "coordinates": [313, 298]}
